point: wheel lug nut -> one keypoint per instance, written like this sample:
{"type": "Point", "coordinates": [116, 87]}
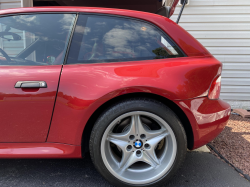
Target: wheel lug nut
{"type": "Point", "coordinates": [143, 136]}
{"type": "Point", "coordinates": [147, 146]}
{"type": "Point", "coordinates": [138, 153]}
{"type": "Point", "coordinates": [129, 148]}
{"type": "Point", "coordinates": [131, 137]}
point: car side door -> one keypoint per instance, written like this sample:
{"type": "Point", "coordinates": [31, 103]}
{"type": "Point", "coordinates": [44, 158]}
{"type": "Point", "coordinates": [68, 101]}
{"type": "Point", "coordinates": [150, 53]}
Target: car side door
{"type": "Point", "coordinates": [32, 50]}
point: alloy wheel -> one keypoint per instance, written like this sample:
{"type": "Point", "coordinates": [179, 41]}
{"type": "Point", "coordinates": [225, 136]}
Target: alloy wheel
{"type": "Point", "coordinates": [138, 147]}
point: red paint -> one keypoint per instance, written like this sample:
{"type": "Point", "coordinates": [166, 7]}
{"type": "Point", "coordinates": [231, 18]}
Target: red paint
{"type": "Point", "coordinates": [84, 88]}
{"type": "Point", "coordinates": [215, 88]}
{"type": "Point", "coordinates": [173, 7]}
{"type": "Point", "coordinates": [207, 117]}
{"type": "Point", "coordinates": [26, 113]}
{"type": "Point", "coordinates": [39, 150]}
{"type": "Point", "coordinates": [175, 79]}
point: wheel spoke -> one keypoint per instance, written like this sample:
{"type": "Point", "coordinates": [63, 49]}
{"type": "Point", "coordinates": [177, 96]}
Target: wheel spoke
{"type": "Point", "coordinates": [115, 139]}
{"type": "Point", "coordinates": [152, 155]}
{"type": "Point", "coordinates": [119, 136]}
{"type": "Point", "coordinates": [148, 159]}
{"type": "Point", "coordinates": [127, 160]}
{"type": "Point", "coordinates": [132, 129]}
{"type": "Point", "coordinates": [139, 129]}
{"type": "Point", "coordinates": [124, 136]}
{"type": "Point", "coordinates": [157, 137]}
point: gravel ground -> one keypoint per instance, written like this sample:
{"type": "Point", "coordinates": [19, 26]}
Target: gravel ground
{"type": "Point", "coordinates": [234, 143]}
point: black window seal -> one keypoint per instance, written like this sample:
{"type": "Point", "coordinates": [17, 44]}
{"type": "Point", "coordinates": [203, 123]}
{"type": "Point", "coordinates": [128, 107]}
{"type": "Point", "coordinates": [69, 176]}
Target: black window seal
{"type": "Point", "coordinates": [31, 13]}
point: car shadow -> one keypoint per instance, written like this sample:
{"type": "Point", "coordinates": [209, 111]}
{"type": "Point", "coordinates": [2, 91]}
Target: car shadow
{"type": "Point", "coordinates": [199, 169]}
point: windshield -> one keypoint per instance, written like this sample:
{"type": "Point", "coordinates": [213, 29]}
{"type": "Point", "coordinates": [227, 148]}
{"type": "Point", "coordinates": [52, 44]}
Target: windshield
{"type": "Point", "coordinates": [39, 39]}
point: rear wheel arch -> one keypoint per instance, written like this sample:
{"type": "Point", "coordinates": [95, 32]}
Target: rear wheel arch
{"type": "Point", "coordinates": [175, 108]}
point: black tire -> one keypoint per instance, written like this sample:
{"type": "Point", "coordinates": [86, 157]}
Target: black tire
{"type": "Point", "coordinates": [137, 104]}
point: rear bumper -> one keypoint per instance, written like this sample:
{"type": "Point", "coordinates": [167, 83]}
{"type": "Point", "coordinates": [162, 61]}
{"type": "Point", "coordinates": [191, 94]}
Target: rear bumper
{"type": "Point", "coordinates": [207, 118]}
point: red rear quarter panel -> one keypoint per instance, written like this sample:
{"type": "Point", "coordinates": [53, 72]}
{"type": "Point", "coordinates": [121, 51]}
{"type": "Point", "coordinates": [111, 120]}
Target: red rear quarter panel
{"type": "Point", "coordinates": [208, 118]}
{"type": "Point", "coordinates": [85, 87]}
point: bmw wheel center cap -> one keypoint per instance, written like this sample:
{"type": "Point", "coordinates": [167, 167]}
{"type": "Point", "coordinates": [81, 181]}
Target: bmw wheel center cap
{"type": "Point", "coordinates": [137, 144]}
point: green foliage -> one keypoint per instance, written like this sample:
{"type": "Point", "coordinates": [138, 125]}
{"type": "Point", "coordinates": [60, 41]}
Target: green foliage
{"type": "Point", "coordinates": [160, 52]}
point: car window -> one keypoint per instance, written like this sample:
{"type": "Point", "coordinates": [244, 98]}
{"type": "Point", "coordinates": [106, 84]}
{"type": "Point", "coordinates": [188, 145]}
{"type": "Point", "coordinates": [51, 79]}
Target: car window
{"type": "Point", "coordinates": [34, 39]}
{"type": "Point", "coordinates": [100, 38]}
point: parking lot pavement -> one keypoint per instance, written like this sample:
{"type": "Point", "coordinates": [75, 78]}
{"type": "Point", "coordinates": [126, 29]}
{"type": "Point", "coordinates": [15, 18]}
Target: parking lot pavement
{"type": "Point", "coordinates": [199, 169]}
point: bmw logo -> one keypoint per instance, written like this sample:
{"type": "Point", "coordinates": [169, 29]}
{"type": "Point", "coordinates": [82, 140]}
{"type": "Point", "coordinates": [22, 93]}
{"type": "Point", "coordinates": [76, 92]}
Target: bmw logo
{"type": "Point", "coordinates": [138, 144]}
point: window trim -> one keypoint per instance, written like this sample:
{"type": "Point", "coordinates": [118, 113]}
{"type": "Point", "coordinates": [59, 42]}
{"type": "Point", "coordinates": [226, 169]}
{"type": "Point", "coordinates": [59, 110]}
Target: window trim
{"type": "Point", "coordinates": [124, 17]}
{"type": "Point", "coordinates": [70, 40]}
{"type": "Point", "coordinates": [31, 13]}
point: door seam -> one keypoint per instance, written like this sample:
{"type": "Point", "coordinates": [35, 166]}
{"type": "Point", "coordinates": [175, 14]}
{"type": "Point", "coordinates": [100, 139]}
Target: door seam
{"type": "Point", "coordinates": [54, 104]}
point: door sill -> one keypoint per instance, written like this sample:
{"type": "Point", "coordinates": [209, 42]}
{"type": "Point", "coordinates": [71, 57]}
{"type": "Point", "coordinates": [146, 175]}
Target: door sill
{"type": "Point", "coordinates": [39, 150]}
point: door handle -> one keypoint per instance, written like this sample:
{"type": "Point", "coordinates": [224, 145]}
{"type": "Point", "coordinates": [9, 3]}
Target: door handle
{"type": "Point", "coordinates": [31, 84]}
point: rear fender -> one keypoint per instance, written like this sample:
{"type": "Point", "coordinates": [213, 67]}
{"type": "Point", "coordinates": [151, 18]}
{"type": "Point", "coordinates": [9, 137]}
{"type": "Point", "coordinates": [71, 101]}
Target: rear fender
{"type": "Point", "coordinates": [85, 87]}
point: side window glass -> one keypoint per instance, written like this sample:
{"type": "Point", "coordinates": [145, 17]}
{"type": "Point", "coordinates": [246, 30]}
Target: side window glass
{"type": "Point", "coordinates": [113, 39]}
{"type": "Point", "coordinates": [35, 39]}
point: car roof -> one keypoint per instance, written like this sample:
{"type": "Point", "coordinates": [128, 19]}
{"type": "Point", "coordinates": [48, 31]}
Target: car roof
{"type": "Point", "coordinates": [75, 9]}
{"type": "Point", "coordinates": [183, 39]}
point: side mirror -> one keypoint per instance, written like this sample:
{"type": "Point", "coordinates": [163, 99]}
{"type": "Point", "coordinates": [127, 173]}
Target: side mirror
{"type": "Point", "coordinates": [164, 11]}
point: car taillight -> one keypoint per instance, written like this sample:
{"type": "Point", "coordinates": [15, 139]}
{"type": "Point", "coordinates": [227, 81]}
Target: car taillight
{"type": "Point", "coordinates": [214, 91]}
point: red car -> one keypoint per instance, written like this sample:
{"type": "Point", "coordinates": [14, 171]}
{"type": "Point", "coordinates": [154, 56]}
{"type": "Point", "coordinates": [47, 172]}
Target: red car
{"type": "Point", "coordinates": [133, 88]}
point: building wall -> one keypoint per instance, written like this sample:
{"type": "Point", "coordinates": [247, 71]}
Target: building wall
{"type": "Point", "coordinates": [223, 27]}
{"type": "Point", "coordinates": [4, 4]}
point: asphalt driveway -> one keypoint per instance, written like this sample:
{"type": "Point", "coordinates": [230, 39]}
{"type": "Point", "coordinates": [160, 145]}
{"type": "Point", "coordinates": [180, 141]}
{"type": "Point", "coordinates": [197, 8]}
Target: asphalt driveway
{"type": "Point", "coordinates": [199, 169]}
